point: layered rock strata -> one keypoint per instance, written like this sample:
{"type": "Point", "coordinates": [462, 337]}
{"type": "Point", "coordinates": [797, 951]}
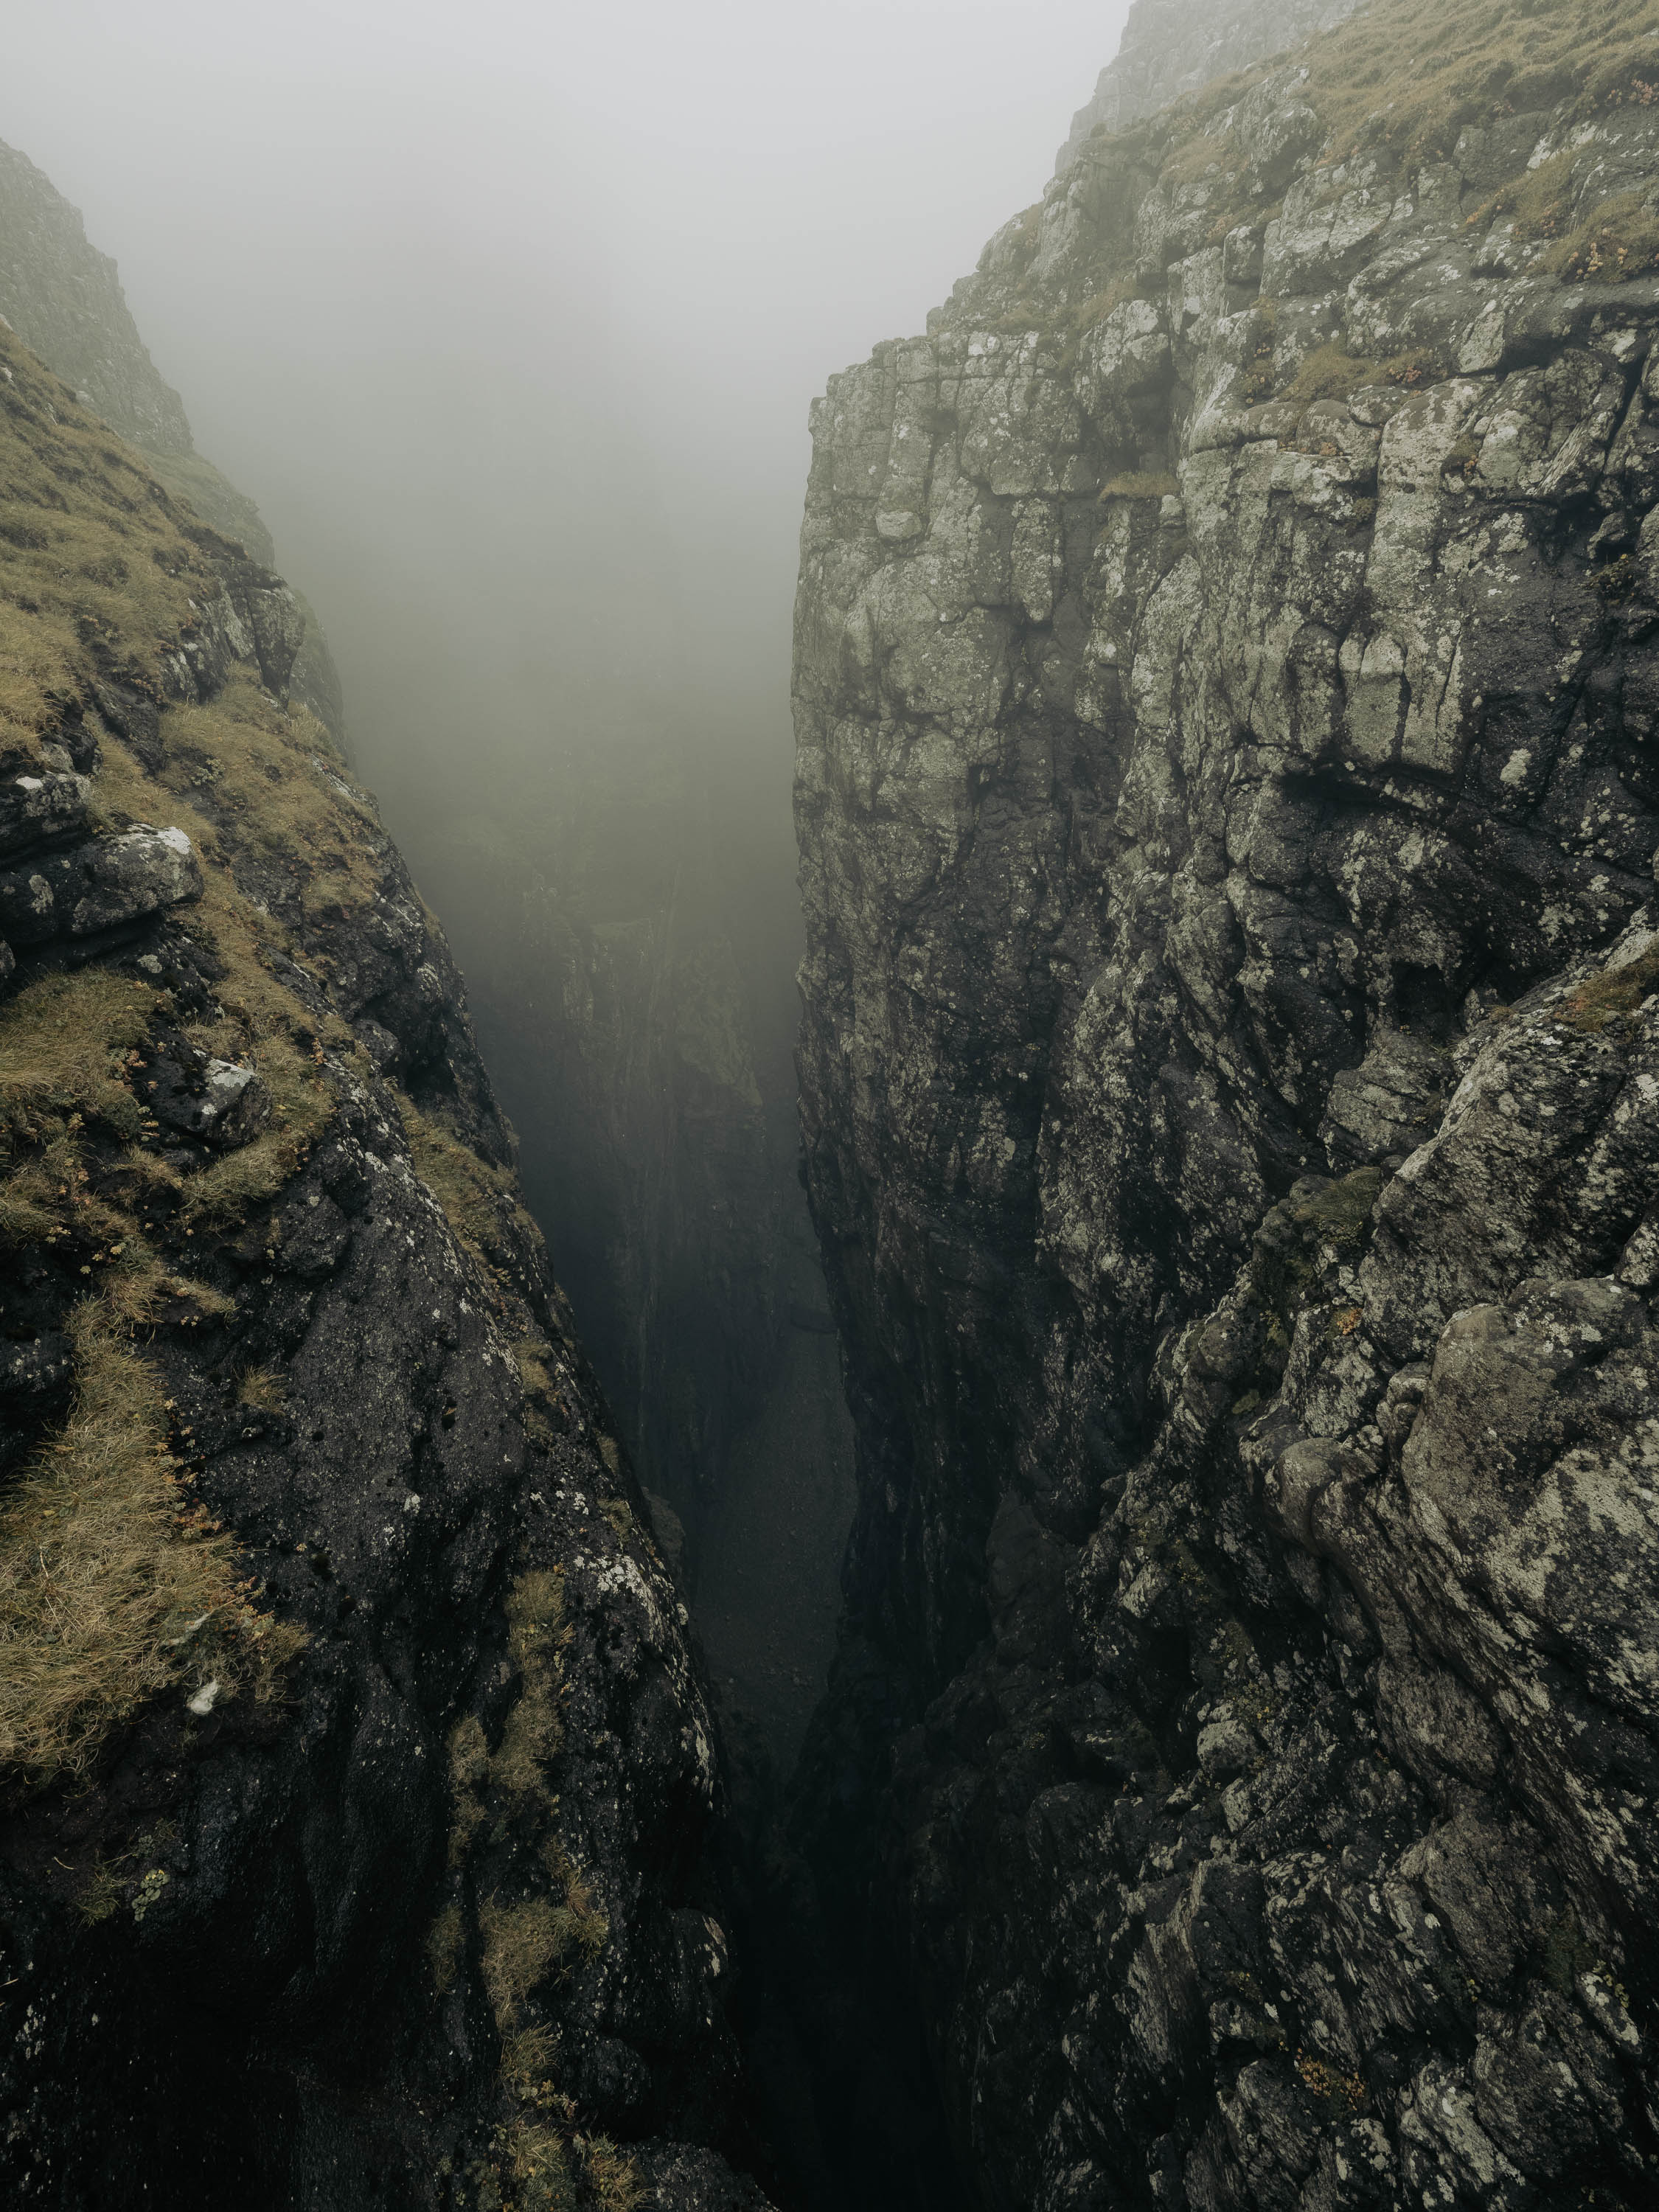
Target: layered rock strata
{"type": "Point", "coordinates": [358, 1780]}
{"type": "Point", "coordinates": [1227, 657]}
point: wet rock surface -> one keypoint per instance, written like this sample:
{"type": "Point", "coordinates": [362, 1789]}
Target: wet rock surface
{"type": "Point", "coordinates": [1227, 832]}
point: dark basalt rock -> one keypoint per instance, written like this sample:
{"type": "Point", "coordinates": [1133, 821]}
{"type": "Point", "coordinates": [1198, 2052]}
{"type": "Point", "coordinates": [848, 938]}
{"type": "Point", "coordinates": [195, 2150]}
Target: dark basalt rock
{"type": "Point", "coordinates": [1226, 832]}
{"type": "Point", "coordinates": [98, 885]}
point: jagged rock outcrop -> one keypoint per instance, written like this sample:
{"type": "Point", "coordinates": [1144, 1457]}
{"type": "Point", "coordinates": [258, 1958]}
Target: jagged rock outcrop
{"type": "Point", "coordinates": [357, 1783]}
{"type": "Point", "coordinates": [1171, 47]}
{"type": "Point", "coordinates": [64, 301]}
{"type": "Point", "coordinates": [1227, 654]}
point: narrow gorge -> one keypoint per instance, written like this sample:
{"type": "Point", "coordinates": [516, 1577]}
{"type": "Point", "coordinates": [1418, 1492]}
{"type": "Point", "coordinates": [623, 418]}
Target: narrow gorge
{"type": "Point", "coordinates": [1196, 1219]}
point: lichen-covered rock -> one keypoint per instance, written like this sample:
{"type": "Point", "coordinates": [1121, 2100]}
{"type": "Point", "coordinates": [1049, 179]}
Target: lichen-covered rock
{"type": "Point", "coordinates": [98, 885]}
{"type": "Point", "coordinates": [1226, 650]}
{"type": "Point", "coordinates": [36, 809]}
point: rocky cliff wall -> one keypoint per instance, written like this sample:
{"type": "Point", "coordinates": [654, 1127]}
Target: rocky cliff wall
{"type": "Point", "coordinates": [64, 301]}
{"type": "Point", "coordinates": [1172, 47]}
{"type": "Point", "coordinates": [1226, 655]}
{"type": "Point", "coordinates": [357, 1781]}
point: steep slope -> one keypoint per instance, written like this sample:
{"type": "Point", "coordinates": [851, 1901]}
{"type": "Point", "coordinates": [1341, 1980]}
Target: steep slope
{"type": "Point", "coordinates": [64, 301]}
{"type": "Point", "coordinates": [1171, 47]}
{"type": "Point", "coordinates": [358, 1784]}
{"type": "Point", "coordinates": [1226, 659]}
{"type": "Point", "coordinates": [603, 905]}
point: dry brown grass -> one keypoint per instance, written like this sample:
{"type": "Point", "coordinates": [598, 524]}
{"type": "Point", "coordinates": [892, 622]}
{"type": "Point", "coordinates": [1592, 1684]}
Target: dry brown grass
{"type": "Point", "coordinates": [541, 1918]}
{"type": "Point", "coordinates": [66, 1044]}
{"type": "Point", "coordinates": [522, 1943]}
{"type": "Point", "coordinates": [273, 775]}
{"type": "Point", "coordinates": [1616, 991]}
{"type": "Point", "coordinates": [471, 1192]}
{"type": "Point", "coordinates": [1410, 75]}
{"type": "Point", "coordinates": [537, 2176]}
{"type": "Point", "coordinates": [261, 1391]}
{"type": "Point", "coordinates": [610, 2175]}
{"type": "Point", "coordinates": [96, 560]}
{"type": "Point", "coordinates": [67, 1048]}
{"type": "Point", "coordinates": [1140, 484]}
{"type": "Point", "coordinates": [533, 1733]}
{"type": "Point", "coordinates": [1405, 77]}
{"type": "Point", "coordinates": [230, 1187]}
{"type": "Point", "coordinates": [1328, 373]}
{"type": "Point", "coordinates": [110, 1593]}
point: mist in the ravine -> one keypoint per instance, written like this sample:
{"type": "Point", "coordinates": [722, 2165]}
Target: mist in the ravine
{"type": "Point", "coordinates": [508, 317]}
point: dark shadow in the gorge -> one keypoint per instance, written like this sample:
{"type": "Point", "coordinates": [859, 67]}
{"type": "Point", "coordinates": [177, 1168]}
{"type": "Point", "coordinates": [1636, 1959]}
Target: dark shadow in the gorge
{"type": "Point", "coordinates": [630, 928]}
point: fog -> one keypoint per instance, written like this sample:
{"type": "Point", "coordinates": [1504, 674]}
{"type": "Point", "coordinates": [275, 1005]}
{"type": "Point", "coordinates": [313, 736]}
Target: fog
{"type": "Point", "coordinates": [508, 317]}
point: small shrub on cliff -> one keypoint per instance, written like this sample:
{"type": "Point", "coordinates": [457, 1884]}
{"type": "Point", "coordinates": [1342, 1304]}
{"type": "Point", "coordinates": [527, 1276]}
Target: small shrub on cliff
{"type": "Point", "coordinates": [1619, 578]}
{"type": "Point", "coordinates": [1619, 240]}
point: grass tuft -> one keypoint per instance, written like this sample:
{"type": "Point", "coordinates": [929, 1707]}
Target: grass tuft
{"type": "Point", "coordinates": [1328, 373]}
{"type": "Point", "coordinates": [1140, 484]}
{"type": "Point", "coordinates": [1615, 992]}
{"type": "Point", "coordinates": [106, 1584]}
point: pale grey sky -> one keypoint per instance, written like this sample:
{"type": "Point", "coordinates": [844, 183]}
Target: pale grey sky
{"type": "Point", "coordinates": [508, 315]}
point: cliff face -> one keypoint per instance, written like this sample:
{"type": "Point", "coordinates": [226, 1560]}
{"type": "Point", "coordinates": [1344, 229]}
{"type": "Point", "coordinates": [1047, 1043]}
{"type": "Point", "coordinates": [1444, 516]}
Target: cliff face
{"type": "Point", "coordinates": [1172, 47]}
{"type": "Point", "coordinates": [64, 301]}
{"type": "Point", "coordinates": [1227, 657]}
{"type": "Point", "coordinates": [358, 1782]}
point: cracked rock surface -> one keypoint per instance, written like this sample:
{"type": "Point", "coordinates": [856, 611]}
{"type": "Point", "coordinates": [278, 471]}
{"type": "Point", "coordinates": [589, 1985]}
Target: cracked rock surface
{"type": "Point", "coordinates": [1226, 662]}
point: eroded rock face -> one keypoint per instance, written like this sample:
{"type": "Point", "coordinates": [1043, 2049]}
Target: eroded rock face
{"type": "Point", "coordinates": [1226, 832]}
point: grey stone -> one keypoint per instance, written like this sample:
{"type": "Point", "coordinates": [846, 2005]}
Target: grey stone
{"type": "Point", "coordinates": [35, 808]}
{"type": "Point", "coordinates": [1149, 874]}
{"type": "Point", "coordinates": [99, 886]}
